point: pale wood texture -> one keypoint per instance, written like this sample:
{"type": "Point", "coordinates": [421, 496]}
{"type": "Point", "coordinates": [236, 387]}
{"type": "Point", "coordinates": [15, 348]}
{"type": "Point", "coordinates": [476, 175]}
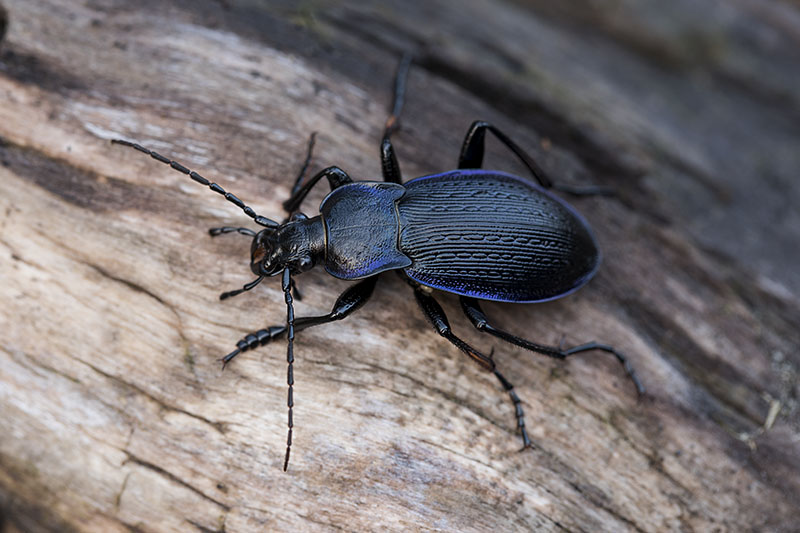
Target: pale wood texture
{"type": "Point", "coordinates": [115, 413]}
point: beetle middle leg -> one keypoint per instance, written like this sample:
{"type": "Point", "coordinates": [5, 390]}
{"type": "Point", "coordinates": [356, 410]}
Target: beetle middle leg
{"type": "Point", "coordinates": [336, 178]}
{"type": "Point", "coordinates": [335, 175]}
{"type": "Point", "coordinates": [472, 157]}
{"type": "Point", "coordinates": [390, 168]}
{"type": "Point", "coordinates": [476, 315]}
{"type": "Point", "coordinates": [437, 317]}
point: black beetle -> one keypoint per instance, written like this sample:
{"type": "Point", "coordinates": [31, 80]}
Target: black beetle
{"type": "Point", "coordinates": [480, 234]}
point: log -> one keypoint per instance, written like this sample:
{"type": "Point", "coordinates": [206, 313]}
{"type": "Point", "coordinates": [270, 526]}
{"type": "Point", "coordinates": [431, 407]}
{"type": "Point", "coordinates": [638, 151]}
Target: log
{"type": "Point", "coordinates": [116, 414]}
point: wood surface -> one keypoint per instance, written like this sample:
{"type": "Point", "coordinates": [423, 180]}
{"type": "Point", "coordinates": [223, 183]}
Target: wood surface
{"type": "Point", "coordinates": [116, 415]}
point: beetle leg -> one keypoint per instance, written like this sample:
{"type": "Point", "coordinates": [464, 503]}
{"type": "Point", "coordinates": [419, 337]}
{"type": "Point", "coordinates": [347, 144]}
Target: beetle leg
{"type": "Point", "coordinates": [475, 315]}
{"type": "Point", "coordinates": [306, 163]}
{"type": "Point", "coordinates": [347, 302]}
{"type": "Point", "coordinates": [336, 177]}
{"type": "Point", "coordinates": [389, 165]}
{"type": "Point", "coordinates": [473, 148]}
{"type": "Point", "coordinates": [350, 300]}
{"type": "Point", "coordinates": [472, 157]}
{"type": "Point", "coordinates": [436, 315]}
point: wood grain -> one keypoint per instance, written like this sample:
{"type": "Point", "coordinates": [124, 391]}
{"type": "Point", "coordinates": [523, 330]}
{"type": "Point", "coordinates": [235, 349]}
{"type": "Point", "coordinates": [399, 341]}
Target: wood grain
{"type": "Point", "coordinates": [116, 414]}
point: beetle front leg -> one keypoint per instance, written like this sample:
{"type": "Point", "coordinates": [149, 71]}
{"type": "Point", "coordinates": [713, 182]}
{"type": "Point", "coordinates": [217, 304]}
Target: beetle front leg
{"type": "Point", "coordinates": [347, 302]}
{"type": "Point", "coordinates": [437, 317]}
{"type": "Point", "coordinates": [476, 315]}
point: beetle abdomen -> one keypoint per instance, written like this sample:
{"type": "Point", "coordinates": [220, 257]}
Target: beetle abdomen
{"type": "Point", "coordinates": [494, 236]}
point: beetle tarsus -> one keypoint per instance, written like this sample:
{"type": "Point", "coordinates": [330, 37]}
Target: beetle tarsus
{"type": "Point", "coordinates": [228, 358]}
{"type": "Point", "coordinates": [307, 163]}
{"type": "Point", "coordinates": [509, 388]}
{"type": "Point", "coordinates": [619, 355]}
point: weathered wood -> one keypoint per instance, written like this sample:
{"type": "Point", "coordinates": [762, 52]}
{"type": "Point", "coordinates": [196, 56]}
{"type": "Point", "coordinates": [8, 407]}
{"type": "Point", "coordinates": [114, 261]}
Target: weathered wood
{"type": "Point", "coordinates": [115, 413]}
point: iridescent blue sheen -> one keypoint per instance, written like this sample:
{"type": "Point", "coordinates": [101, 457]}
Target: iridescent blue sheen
{"type": "Point", "coordinates": [478, 233]}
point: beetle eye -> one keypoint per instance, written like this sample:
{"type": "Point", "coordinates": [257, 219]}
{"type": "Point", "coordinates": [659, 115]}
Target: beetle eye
{"type": "Point", "coordinates": [298, 216]}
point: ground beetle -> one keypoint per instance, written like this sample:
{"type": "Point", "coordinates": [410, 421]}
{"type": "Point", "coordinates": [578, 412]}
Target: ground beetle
{"type": "Point", "coordinates": [480, 234]}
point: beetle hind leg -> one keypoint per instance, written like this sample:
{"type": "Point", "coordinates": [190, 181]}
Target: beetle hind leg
{"type": "Point", "coordinates": [437, 317]}
{"type": "Point", "coordinates": [476, 315]}
{"type": "Point", "coordinates": [472, 151]}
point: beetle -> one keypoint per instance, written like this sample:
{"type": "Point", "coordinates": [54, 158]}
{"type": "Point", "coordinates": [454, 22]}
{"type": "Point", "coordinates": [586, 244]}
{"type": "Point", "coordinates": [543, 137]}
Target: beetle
{"type": "Point", "coordinates": [480, 234]}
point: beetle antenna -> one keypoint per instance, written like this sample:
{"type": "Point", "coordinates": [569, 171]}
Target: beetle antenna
{"type": "Point", "coordinates": [258, 219]}
{"type": "Point", "coordinates": [246, 287]}
{"type": "Point", "coordinates": [287, 292]}
{"type": "Point", "coordinates": [229, 229]}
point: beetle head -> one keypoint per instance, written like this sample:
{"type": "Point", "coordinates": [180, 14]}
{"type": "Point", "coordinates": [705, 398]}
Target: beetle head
{"type": "Point", "coordinates": [298, 244]}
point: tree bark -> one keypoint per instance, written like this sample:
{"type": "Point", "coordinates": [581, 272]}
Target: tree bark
{"type": "Point", "coordinates": [115, 411]}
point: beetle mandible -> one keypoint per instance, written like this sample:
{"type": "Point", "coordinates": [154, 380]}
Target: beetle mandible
{"type": "Point", "coordinates": [480, 234]}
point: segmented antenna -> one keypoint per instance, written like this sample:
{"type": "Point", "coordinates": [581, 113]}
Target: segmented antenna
{"type": "Point", "coordinates": [230, 229]}
{"type": "Point", "coordinates": [258, 219]}
{"type": "Point", "coordinates": [287, 292]}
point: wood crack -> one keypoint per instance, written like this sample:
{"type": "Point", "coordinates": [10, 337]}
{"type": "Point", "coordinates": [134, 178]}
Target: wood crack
{"type": "Point", "coordinates": [172, 477]}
